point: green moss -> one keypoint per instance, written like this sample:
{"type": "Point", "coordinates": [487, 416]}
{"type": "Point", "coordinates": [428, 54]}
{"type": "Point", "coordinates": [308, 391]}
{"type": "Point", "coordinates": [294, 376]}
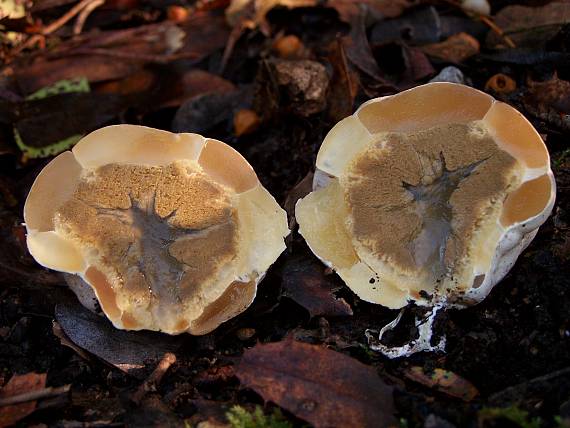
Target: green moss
{"type": "Point", "coordinates": [513, 414]}
{"type": "Point", "coordinates": [238, 417]}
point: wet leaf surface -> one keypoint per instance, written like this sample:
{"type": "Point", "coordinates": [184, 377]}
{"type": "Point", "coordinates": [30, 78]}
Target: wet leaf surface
{"type": "Point", "coordinates": [318, 385]}
{"type": "Point", "coordinates": [130, 351]}
{"type": "Point", "coordinates": [305, 282]}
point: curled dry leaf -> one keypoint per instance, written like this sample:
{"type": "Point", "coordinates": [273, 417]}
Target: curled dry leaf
{"type": "Point", "coordinates": [456, 48]}
{"type": "Point", "coordinates": [318, 385]}
{"type": "Point", "coordinates": [130, 351]}
{"type": "Point", "coordinates": [305, 282]}
{"type": "Point", "coordinates": [529, 26]}
{"type": "Point", "coordinates": [20, 384]}
{"type": "Point", "coordinates": [443, 381]}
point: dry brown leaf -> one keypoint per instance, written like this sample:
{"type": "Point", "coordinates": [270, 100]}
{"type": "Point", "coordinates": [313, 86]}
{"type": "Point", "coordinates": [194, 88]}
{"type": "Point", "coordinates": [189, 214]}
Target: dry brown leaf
{"type": "Point", "coordinates": [318, 385]}
{"type": "Point", "coordinates": [443, 381]}
{"type": "Point", "coordinates": [305, 282]}
{"type": "Point", "coordinates": [456, 48]}
{"type": "Point", "coordinates": [20, 384]}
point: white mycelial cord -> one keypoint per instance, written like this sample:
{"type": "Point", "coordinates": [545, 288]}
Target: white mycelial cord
{"type": "Point", "coordinates": [422, 343]}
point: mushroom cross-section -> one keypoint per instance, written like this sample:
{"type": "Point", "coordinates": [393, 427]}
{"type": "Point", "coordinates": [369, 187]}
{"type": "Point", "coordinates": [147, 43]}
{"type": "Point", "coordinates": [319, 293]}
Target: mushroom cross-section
{"type": "Point", "coordinates": [169, 232]}
{"type": "Point", "coordinates": [429, 195]}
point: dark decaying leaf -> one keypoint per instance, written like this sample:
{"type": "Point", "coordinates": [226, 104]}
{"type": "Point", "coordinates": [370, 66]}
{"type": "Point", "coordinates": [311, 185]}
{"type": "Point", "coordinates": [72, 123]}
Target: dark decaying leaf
{"type": "Point", "coordinates": [301, 189]}
{"type": "Point", "coordinates": [20, 384]}
{"type": "Point", "coordinates": [321, 386]}
{"type": "Point", "coordinates": [111, 55]}
{"type": "Point", "coordinates": [530, 27]}
{"type": "Point", "coordinates": [343, 86]}
{"type": "Point", "coordinates": [305, 282]}
{"type": "Point", "coordinates": [420, 26]}
{"type": "Point", "coordinates": [204, 112]}
{"type": "Point", "coordinates": [67, 115]}
{"type": "Point", "coordinates": [130, 351]}
{"type": "Point", "coordinates": [100, 56]}
{"type": "Point", "coordinates": [379, 9]}
{"type": "Point", "coordinates": [443, 381]}
{"type": "Point", "coordinates": [358, 50]}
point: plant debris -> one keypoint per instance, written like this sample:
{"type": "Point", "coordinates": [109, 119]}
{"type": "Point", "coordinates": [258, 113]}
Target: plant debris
{"type": "Point", "coordinates": [320, 386]}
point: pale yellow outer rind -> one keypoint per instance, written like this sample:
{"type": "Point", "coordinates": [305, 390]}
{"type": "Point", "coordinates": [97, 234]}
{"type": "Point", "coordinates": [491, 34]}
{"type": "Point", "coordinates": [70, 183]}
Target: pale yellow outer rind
{"type": "Point", "coordinates": [262, 223]}
{"type": "Point", "coordinates": [322, 215]}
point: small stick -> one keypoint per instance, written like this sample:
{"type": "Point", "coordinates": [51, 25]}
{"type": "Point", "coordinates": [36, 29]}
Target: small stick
{"type": "Point", "coordinates": [34, 395]}
{"type": "Point", "coordinates": [496, 29]}
{"type": "Point", "coordinates": [62, 20]}
{"type": "Point", "coordinates": [82, 17]}
{"type": "Point", "coordinates": [55, 25]}
{"type": "Point", "coordinates": [155, 377]}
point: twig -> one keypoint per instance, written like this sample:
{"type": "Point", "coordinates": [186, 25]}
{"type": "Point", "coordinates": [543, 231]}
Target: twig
{"type": "Point", "coordinates": [155, 377]}
{"type": "Point", "coordinates": [54, 26]}
{"type": "Point", "coordinates": [496, 29]}
{"type": "Point", "coordinates": [82, 17]}
{"type": "Point", "coordinates": [62, 20]}
{"type": "Point", "coordinates": [160, 59]}
{"type": "Point", "coordinates": [34, 395]}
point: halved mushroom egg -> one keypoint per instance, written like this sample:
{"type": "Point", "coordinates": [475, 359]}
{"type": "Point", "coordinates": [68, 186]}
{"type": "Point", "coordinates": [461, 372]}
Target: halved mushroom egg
{"type": "Point", "coordinates": [429, 195]}
{"type": "Point", "coordinates": [169, 232]}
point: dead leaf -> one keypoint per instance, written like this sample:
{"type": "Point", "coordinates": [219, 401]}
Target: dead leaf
{"type": "Point", "coordinates": [456, 48]}
{"type": "Point", "coordinates": [318, 385]}
{"type": "Point", "coordinates": [301, 189]}
{"type": "Point", "coordinates": [343, 86]}
{"type": "Point", "coordinates": [112, 55]}
{"type": "Point", "coordinates": [530, 27]}
{"type": "Point", "coordinates": [305, 282]}
{"type": "Point", "coordinates": [379, 9]}
{"type": "Point", "coordinates": [70, 114]}
{"type": "Point", "coordinates": [20, 384]}
{"type": "Point", "coordinates": [358, 49]}
{"type": "Point", "coordinates": [99, 56]}
{"type": "Point", "coordinates": [443, 381]}
{"type": "Point", "coordinates": [420, 26]}
{"type": "Point", "coordinates": [130, 351]}
{"type": "Point", "coordinates": [204, 112]}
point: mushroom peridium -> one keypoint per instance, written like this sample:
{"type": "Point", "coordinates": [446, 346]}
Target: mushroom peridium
{"type": "Point", "coordinates": [169, 232]}
{"type": "Point", "coordinates": [429, 195]}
